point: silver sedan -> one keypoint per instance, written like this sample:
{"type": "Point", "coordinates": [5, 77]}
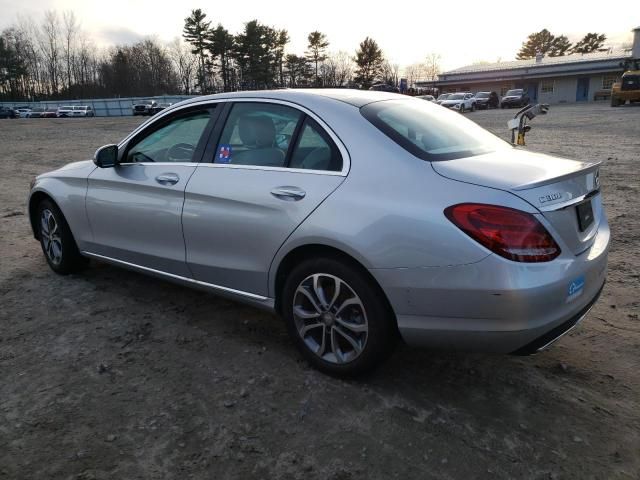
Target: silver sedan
{"type": "Point", "coordinates": [359, 217]}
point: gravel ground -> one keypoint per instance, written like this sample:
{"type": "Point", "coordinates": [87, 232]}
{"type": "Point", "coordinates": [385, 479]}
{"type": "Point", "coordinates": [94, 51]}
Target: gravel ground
{"type": "Point", "coordinates": [110, 374]}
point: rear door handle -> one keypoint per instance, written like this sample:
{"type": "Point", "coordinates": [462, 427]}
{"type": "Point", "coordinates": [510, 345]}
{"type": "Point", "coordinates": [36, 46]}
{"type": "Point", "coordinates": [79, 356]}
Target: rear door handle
{"type": "Point", "coordinates": [290, 194]}
{"type": "Point", "coordinates": [167, 179]}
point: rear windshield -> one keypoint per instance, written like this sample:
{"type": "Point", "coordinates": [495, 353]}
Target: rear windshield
{"type": "Point", "coordinates": [429, 131]}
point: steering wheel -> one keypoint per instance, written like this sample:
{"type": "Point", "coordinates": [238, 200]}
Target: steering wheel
{"type": "Point", "coordinates": [180, 152]}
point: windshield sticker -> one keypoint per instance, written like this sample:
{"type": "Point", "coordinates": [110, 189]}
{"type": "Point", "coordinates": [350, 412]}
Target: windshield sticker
{"type": "Point", "coordinates": [575, 288]}
{"type": "Point", "coordinates": [224, 154]}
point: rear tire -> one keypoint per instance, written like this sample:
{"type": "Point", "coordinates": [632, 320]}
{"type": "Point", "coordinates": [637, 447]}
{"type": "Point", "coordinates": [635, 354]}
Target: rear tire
{"type": "Point", "coordinates": [337, 317]}
{"type": "Point", "coordinates": [57, 242]}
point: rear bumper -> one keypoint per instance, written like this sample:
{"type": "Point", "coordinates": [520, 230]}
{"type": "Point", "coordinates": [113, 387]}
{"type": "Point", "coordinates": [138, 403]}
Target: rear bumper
{"type": "Point", "coordinates": [494, 305]}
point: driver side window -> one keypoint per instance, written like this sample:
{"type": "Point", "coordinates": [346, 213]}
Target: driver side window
{"type": "Point", "coordinates": [175, 141]}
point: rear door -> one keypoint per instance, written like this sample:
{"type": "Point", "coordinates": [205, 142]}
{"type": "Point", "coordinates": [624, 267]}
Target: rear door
{"type": "Point", "coordinates": [267, 167]}
{"type": "Point", "coordinates": [135, 208]}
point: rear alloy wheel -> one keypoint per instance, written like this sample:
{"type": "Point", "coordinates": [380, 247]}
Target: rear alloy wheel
{"type": "Point", "coordinates": [58, 244]}
{"type": "Point", "coordinates": [338, 319]}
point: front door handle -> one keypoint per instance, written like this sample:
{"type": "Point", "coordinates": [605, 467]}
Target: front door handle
{"type": "Point", "coordinates": [167, 179]}
{"type": "Point", "coordinates": [290, 194]}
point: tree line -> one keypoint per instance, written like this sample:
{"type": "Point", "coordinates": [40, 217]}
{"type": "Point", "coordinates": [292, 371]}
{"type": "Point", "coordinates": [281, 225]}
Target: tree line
{"type": "Point", "coordinates": [56, 58]}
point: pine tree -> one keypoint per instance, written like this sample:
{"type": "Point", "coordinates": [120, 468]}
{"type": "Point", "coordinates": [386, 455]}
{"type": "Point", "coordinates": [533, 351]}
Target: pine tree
{"type": "Point", "coordinates": [591, 42]}
{"type": "Point", "coordinates": [544, 42]}
{"type": "Point", "coordinates": [316, 50]}
{"type": "Point", "coordinates": [196, 31]}
{"type": "Point", "coordinates": [369, 59]}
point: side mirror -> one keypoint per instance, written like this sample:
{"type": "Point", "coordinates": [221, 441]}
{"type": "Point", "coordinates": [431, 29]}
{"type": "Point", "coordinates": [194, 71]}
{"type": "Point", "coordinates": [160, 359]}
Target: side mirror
{"type": "Point", "coordinates": [106, 157]}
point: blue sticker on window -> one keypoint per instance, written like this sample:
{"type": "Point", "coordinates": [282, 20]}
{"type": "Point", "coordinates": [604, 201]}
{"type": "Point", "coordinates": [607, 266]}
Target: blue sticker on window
{"type": "Point", "coordinates": [224, 154]}
{"type": "Point", "coordinates": [575, 288]}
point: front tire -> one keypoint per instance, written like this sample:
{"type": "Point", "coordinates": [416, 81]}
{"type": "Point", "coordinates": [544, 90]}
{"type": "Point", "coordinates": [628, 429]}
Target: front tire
{"type": "Point", "coordinates": [337, 317]}
{"type": "Point", "coordinates": [57, 242]}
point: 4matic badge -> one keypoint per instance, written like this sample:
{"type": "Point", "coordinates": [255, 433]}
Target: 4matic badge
{"type": "Point", "coordinates": [550, 197]}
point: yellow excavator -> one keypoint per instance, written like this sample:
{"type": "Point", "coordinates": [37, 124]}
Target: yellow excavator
{"type": "Point", "coordinates": [628, 88]}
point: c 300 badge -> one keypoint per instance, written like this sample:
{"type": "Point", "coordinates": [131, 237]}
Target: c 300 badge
{"type": "Point", "coordinates": [550, 197]}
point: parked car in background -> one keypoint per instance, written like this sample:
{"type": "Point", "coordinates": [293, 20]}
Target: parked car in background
{"type": "Point", "coordinates": [428, 98]}
{"type": "Point", "coordinates": [64, 111]}
{"type": "Point", "coordinates": [35, 113]}
{"type": "Point", "coordinates": [83, 111]}
{"type": "Point", "coordinates": [159, 107]}
{"type": "Point", "coordinates": [515, 98]}
{"type": "Point", "coordinates": [143, 107]}
{"type": "Point", "coordinates": [460, 101]}
{"type": "Point", "coordinates": [384, 87]}
{"type": "Point", "coordinates": [49, 113]}
{"type": "Point", "coordinates": [8, 112]}
{"type": "Point", "coordinates": [442, 97]}
{"type": "Point", "coordinates": [486, 100]}
{"type": "Point", "coordinates": [22, 111]}
{"type": "Point", "coordinates": [488, 247]}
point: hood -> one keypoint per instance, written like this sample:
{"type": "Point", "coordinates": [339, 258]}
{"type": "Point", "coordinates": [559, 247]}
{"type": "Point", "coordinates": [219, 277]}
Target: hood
{"type": "Point", "coordinates": [451, 102]}
{"type": "Point", "coordinates": [74, 165]}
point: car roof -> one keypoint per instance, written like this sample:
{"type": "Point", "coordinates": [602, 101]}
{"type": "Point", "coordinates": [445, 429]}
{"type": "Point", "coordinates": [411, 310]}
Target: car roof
{"type": "Point", "coordinates": [357, 98]}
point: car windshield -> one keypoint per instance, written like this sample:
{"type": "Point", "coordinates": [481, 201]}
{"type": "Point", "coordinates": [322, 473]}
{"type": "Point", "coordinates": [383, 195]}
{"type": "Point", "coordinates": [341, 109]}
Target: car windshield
{"type": "Point", "coordinates": [456, 96]}
{"type": "Point", "coordinates": [66, 108]}
{"type": "Point", "coordinates": [79, 108]}
{"type": "Point", "coordinates": [430, 132]}
{"type": "Point", "coordinates": [482, 95]}
{"type": "Point", "coordinates": [444, 96]}
{"type": "Point", "coordinates": [514, 93]}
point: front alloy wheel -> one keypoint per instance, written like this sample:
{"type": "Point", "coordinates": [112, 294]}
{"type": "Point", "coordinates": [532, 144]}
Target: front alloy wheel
{"type": "Point", "coordinates": [58, 245]}
{"type": "Point", "coordinates": [330, 318]}
{"type": "Point", "coordinates": [51, 239]}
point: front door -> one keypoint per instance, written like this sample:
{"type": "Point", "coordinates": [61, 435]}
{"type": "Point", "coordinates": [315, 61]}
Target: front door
{"type": "Point", "coordinates": [271, 166]}
{"type": "Point", "coordinates": [135, 208]}
{"type": "Point", "coordinates": [582, 93]}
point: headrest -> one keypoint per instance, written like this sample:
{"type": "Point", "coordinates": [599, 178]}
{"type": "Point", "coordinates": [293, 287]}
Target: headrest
{"type": "Point", "coordinates": [257, 131]}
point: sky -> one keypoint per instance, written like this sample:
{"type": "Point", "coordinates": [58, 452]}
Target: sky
{"type": "Point", "coordinates": [463, 33]}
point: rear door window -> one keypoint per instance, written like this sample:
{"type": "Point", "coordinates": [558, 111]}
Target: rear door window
{"type": "Point", "coordinates": [258, 134]}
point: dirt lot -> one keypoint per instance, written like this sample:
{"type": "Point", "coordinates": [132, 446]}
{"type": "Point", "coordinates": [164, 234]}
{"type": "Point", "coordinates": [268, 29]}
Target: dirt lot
{"type": "Point", "coordinates": [113, 375]}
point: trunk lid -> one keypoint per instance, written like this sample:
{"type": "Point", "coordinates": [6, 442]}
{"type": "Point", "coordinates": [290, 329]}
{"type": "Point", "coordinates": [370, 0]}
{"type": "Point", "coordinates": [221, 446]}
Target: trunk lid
{"type": "Point", "coordinates": [561, 189]}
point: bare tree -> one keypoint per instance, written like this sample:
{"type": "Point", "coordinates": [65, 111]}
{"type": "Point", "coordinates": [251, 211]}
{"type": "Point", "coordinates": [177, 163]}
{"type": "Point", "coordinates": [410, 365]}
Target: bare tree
{"type": "Point", "coordinates": [414, 73]}
{"type": "Point", "coordinates": [185, 64]}
{"type": "Point", "coordinates": [337, 70]}
{"type": "Point", "coordinates": [70, 32]}
{"type": "Point", "coordinates": [390, 73]}
{"type": "Point", "coordinates": [49, 43]}
{"type": "Point", "coordinates": [432, 66]}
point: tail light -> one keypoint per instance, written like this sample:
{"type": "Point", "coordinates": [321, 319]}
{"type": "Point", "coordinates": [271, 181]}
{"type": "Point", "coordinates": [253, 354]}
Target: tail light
{"type": "Point", "coordinates": [510, 233]}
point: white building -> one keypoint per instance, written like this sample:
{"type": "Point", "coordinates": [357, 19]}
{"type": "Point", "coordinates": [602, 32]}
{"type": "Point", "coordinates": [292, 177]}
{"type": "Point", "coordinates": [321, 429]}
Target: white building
{"type": "Point", "coordinates": [570, 78]}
